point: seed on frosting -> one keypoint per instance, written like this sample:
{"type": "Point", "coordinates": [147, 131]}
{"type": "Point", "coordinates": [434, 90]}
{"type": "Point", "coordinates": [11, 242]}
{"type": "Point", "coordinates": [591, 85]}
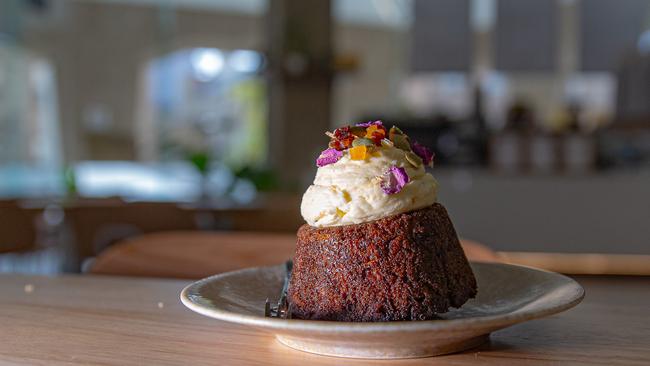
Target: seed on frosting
{"type": "Point", "coordinates": [346, 196]}
{"type": "Point", "coordinates": [401, 142]}
{"type": "Point", "coordinates": [362, 141]}
{"type": "Point", "coordinates": [412, 158]}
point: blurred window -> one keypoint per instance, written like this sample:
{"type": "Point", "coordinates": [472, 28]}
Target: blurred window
{"type": "Point", "coordinates": [205, 101]}
{"type": "Point", "coordinates": [446, 93]}
{"type": "Point", "coordinates": [29, 126]}
{"type": "Point", "coordinates": [609, 30]}
{"type": "Point", "coordinates": [30, 148]}
{"type": "Point", "coordinates": [385, 13]}
{"type": "Point", "coordinates": [441, 25]}
{"type": "Point", "coordinates": [526, 35]}
{"type": "Point", "coordinates": [595, 92]}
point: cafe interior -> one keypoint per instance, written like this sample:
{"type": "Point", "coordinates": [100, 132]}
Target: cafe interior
{"type": "Point", "coordinates": [175, 139]}
{"type": "Point", "coordinates": [124, 124]}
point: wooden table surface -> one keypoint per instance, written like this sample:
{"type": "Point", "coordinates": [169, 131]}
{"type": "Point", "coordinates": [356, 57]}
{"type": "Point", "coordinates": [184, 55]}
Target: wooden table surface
{"type": "Point", "coordinates": [82, 320]}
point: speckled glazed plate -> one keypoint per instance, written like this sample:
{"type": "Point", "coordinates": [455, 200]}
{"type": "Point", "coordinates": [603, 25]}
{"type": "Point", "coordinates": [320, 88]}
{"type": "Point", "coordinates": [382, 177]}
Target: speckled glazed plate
{"type": "Point", "coordinates": [507, 295]}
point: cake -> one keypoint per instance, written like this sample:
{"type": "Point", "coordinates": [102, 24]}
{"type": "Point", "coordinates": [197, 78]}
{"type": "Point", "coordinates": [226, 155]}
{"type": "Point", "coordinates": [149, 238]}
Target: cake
{"type": "Point", "coordinates": [376, 246]}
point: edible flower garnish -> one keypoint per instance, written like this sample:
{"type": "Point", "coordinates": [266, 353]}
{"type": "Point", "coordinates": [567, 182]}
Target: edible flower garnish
{"type": "Point", "coordinates": [328, 156]}
{"type": "Point", "coordinates": [365, 140]}
{"type": "Point", "coordinates": [358, 131]}
{"type": "Point", "coordinates": [394, 180]}
{"type": "Point", "coordinates": [376, 133]}
{"type": "Point", "coordinates": [359, 152]}
{"type": "Point", "coordinates": [423, 152]}
{"type": "Point", "coordinates": [398, 138]}
{"type": "Point", "coordinates": [342, 138]}
{"type": "Point", "coordinates": [370, 123]}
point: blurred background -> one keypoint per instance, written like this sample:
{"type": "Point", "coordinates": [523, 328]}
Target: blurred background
{"type": "Point", "coordinates": [120, 118]}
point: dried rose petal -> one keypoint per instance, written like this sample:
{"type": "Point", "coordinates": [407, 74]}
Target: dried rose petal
{"type": "Point", "coordinates": [376, 133]}
{"type": "Point", "coordinates": [394, 180]}
{"type": "Point", "coordinates": [370, 123]}
{"type": "Point", "coordinates": [328, 156]}
{"type": "Point", "coordinates": [423, 152]}
{"type": "Point", "coordinates": [342, 138]}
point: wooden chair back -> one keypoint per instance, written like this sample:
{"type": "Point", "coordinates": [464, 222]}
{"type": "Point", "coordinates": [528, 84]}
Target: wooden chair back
{"type": "Point", "coordinates": [193, 254]}
{"type": "Point", "coordinates": [17, 227]}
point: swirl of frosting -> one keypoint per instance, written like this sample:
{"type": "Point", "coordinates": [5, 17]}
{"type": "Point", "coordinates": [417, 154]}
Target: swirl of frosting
{"type": "Point", "coordinates": [350, 191]}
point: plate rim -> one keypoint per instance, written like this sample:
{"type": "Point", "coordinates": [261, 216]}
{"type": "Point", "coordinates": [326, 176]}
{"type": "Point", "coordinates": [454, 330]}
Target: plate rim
{"type": "Point", "coordinates": [575, 296]}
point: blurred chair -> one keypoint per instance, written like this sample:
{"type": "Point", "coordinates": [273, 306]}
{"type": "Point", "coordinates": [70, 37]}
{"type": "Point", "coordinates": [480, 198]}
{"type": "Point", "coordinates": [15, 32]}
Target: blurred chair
{"type": "Point", "coordinates": [582, 263]}
{"type": "Point", "coordinates": [196, 254]}
{"type": "Point", "coordinates": [193, 254]}
{"type": "Point", "coordinates": [277, 212]}
{"type": "Point", "coordinates": [100, 224]}
{"type": "Point", "coordinates": [187, 254]}
{"type": "Point", "coordinates": [97, 225]}
{"type": "Point", "coordinates": [17, 227]}
{"type": "Point", "coordinates": [33, 239]}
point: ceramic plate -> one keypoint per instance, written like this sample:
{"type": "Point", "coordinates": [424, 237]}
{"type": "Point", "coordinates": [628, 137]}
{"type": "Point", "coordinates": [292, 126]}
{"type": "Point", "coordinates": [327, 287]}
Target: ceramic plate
{"type": "Point", "coordinates": [507, 295]}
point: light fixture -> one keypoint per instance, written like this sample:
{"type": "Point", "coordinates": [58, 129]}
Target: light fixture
{"type": "Point", "coordinates": [245, 61]}
{"type": "Point", "coordinates": [207, 63]}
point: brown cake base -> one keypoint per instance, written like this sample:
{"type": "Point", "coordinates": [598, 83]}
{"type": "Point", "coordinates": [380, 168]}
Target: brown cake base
{"type": "Point", "coordinates": [404, 267]}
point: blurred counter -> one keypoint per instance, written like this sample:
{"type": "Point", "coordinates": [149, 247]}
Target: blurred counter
{"type": "Point", "coordinates": [608, 212]}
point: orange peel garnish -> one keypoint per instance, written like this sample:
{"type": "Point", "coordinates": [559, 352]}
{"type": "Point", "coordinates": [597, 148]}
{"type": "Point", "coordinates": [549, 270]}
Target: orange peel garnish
{"type": "Point", "coordinates": [359, 152]}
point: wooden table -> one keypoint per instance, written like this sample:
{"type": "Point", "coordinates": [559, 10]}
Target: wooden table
{"type": "Point", "coordinates": [81, 320]}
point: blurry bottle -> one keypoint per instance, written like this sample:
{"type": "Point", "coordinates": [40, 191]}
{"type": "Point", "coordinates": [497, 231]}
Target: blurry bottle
{"type": "Point", "coordinates": [508, 149]}
{"type": "Point", "coordinates": [576, 147]}
{"type": "Point", "coordinates": [542, 153]}
{"type": "Point", "coordinates": [473, 135]}
{"type": "Point", "coordinates": [480, 127]}
{"type": "Point", "coordinates": [573, 115]}
{"type": "Point", "coordinates": [520, 117]}
{"type": "Point", "coordinates": [579, 153]}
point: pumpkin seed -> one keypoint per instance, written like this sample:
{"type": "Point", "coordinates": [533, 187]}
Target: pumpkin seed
{"type": "Point", "coordinates": [362, 141]}
{"type": "Point", "coordinates": [415, 160]}
{"type": "Point", "coordinates": [401, 142]}
{"type": "Point", "coordinates": [387, 143]}
{"type": "Point", "coordinates": [396, 129]}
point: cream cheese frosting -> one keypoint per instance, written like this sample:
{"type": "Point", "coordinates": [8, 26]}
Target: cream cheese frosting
{"type": "Point", "coordinates": [350, 192]}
